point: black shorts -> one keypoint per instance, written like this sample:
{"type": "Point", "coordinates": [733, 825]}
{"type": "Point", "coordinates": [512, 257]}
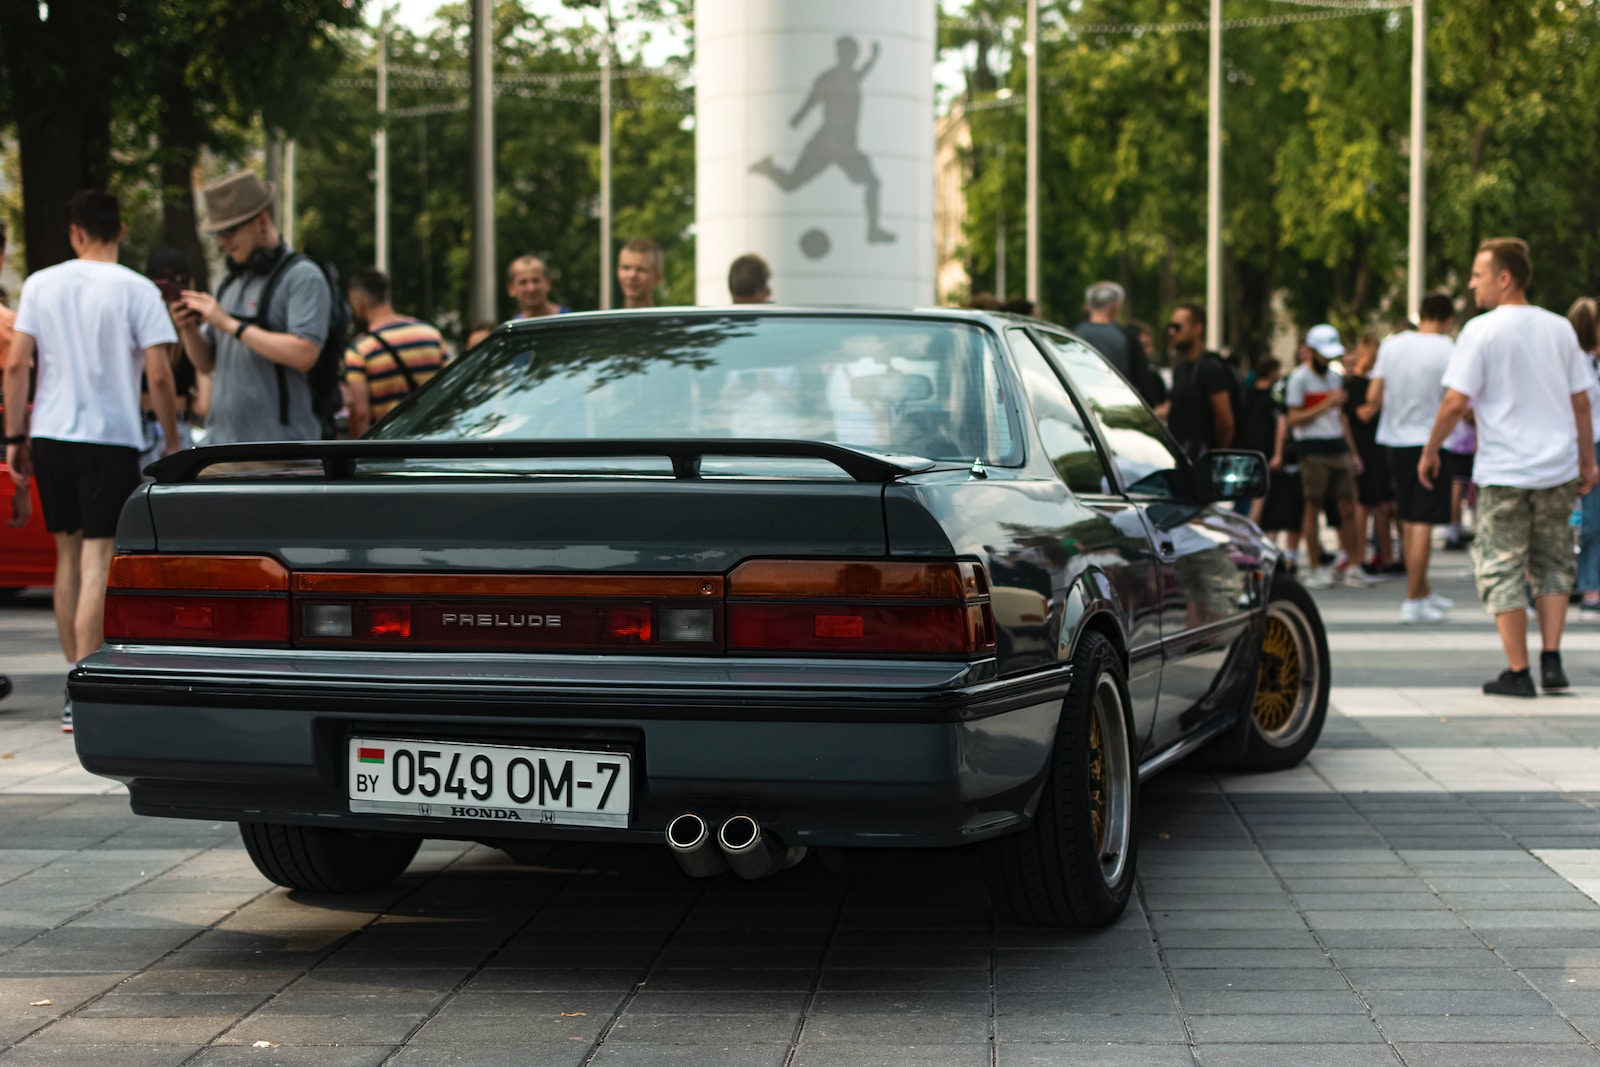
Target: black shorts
{"type": "Point", "coordinates": [1374, 486]}
{"type": "Point", "coordinates": [1415, 502]}
{"type": "Point", "coordinates": [82, 487]}
{"type": "Point", "coordinates": [1457, 465]}
{"type": "Point", "coordinates": [1285, 507]}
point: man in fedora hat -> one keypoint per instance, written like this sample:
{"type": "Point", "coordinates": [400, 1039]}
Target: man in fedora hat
{"type": "Point", "coordinates": [261, 354]}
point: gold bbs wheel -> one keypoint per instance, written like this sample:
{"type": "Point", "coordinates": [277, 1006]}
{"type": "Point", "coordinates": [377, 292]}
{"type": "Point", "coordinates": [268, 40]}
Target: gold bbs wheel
{"type": "Point", "coordinates": [1286, 680]}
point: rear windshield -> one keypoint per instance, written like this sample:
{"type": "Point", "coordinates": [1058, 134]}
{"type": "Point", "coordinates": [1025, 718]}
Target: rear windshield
{"type": "Point", "coordinates": [903, 386]}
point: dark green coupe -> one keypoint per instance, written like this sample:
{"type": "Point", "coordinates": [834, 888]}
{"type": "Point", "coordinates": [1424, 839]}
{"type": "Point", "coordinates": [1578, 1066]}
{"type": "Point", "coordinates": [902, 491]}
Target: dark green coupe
{"type": "Point", "coordinates": [740, 582]}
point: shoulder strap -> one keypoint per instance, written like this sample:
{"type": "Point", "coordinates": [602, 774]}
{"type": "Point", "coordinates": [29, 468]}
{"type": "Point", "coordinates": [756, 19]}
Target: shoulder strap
{"type": "Point", "coordinates": [394, 354]}
{"type": "Point", "coordinates": [270, 290]}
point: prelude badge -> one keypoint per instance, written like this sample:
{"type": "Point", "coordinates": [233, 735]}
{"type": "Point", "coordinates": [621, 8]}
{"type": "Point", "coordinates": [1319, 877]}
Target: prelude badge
{"type": "Point", "coordinates": [501, 622]}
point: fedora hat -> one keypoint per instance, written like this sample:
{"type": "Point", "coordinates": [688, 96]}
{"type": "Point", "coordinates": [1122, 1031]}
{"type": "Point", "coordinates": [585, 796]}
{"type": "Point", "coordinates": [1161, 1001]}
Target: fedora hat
{"type": "Point", "coordinates": [236, 198]}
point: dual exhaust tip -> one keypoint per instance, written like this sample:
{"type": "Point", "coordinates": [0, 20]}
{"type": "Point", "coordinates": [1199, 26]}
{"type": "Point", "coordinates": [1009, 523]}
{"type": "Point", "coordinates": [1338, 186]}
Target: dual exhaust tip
{"type": "Point", "coordinates": [740, 845]}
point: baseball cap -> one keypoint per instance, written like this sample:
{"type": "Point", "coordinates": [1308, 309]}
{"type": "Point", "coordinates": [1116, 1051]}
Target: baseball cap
{"type": "Point", "coordinates": [1325, 339]}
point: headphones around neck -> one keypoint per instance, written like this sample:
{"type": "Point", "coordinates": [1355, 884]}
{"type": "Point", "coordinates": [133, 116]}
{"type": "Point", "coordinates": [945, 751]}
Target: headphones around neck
{"type": "Point", "coordinates": [262, 260]}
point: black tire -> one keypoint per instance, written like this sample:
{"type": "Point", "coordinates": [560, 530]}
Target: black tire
{"type": "Point", "coordinates": [10, 592]}
{"type": "Point", "coordinates": [321, 860]}
{"type": "Point", "coordinates": [1075, 865]}
{"type": "Point", "coordinates": [1289, 703]}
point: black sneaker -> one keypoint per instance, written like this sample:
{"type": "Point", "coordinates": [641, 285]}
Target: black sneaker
{"type": "Point", "coordinates": [1551, 677]}
{"type": "Point", "coordinates": [1511, 684]}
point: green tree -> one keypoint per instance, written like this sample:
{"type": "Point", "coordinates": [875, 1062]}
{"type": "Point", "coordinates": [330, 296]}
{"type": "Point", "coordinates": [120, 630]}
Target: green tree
{"type": "Point", "coordinates": [546, 161]}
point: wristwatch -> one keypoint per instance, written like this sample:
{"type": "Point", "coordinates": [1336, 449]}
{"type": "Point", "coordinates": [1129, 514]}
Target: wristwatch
{"type": "Point", "coordinates": [239, 333]}
{"type": "Point", "coordinates": [17, 439]}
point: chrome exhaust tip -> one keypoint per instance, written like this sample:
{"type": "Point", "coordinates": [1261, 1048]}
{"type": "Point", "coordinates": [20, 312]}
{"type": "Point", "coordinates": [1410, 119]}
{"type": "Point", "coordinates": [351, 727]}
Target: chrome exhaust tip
{"type": "Point", "coordinates": [690, 839]}
{"type": "Point", "coordinates": [753, 853]}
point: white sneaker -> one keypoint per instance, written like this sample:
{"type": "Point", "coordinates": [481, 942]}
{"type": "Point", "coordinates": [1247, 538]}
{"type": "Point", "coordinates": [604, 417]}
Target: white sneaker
{"type": "Point", "coordinates": [1355, 578]}
{"type": "Point", "coordinates": [1413, 612]}
{"type": "Point", "coordinates": [1319, 578]}
{"type": "Point", "coordinates": [1439, 602]}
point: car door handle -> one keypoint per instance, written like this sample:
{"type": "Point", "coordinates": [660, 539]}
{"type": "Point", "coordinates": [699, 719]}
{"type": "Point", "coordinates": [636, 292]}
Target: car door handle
{"type": "Point", "coordinates": [1168, 550]}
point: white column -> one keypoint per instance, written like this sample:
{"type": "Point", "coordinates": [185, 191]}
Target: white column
{"type": "Point", "coordinates": [800, 190]}
{"type": "Point", "coordinates": [1214, 307]}
{"type": "Point", "coordinates": [605, 160]}
{"type": "Point", "coordinates": [484, 272]}
{"type": "Point", "coordinates": [380, 145]}
{"type": "Point", "coordinates": [1035, 106]}
{"type": "Point", "coordinates": [1417, 254]}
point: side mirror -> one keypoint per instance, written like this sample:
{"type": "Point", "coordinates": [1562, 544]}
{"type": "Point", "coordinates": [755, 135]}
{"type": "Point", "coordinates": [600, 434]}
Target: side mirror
{"type": "Point", "coordinates": [1228, 475]}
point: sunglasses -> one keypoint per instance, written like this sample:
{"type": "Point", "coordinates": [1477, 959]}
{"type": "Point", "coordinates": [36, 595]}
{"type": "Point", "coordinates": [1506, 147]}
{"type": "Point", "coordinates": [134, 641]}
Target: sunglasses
{"type": "Point", "coordinates": [231, 230]}
{"type": "Point", "coordinates": [1174, 327]}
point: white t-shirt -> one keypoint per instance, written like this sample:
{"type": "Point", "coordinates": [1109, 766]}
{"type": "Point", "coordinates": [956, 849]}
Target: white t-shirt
{"type": "Point", "coordinates": [1307, 389]}
{"type": "Point", "coordinates": [1411, 366]}
{"type": "Point", "coordinates": [91, 323]}
{"type": "Point", "coordinates": [1594, 396]}
{"type": "Point", "coordinates": [1520, 366]}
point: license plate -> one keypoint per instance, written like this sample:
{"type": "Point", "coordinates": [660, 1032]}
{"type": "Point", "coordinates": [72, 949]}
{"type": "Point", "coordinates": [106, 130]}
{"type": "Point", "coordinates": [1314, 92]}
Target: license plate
{"type": "Point", "coordinates": [489, 783]}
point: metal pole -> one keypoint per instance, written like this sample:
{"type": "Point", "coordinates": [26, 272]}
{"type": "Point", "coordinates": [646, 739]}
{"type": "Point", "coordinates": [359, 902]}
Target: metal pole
{"type": "Point", "coordinates": [1417, 254]}
{"type": "Point", "coordinates": [605, 160]}
{"type": "Point", "coordinates": [380, 144]}
{"type": "Point", "coordinates": [1000, 233]}
{"type": "Point", "coordinates": [484, 298]}
{"type": "Point", "coordinates": [287, 229]}
{"type": "Point", "coordinates": [1034, 106]}
{"type": "Point", "coordinates": [1214, 188]}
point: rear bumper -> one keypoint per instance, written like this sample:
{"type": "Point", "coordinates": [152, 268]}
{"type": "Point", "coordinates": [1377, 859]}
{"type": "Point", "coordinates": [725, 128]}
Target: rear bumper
{"type": "Point", "coordinates": [825, 753]}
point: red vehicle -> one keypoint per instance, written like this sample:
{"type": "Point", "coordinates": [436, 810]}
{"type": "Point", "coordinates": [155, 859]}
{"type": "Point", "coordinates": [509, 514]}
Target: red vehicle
{"type": "Point", "coordinates": [28, 555]}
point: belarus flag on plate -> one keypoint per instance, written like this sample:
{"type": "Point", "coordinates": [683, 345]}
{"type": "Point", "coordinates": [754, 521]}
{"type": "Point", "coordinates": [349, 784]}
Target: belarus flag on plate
{"type": "Point", "coordinates": [369, 755]}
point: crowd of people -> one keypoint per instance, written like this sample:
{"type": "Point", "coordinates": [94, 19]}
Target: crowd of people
{"type": "Point", "coordinates": [1387, 442]}
{"type": "Point", "coordinates": [1397, 435]}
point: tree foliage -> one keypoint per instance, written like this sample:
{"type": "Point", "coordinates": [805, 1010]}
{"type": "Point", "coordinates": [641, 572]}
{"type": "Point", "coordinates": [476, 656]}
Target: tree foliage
{"type": "Point", "coordinates": [547, 162]}
{"type": "Point", "coordinates": [1316, 151]}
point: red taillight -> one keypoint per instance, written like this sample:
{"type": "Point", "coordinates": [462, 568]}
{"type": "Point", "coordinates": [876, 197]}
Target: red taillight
{"type": "Point", "coordinates": [626, 625]}
{"type": "Point", "coordinates": [859, 608]}
{"type": "Point", "coordinates": [232, 600]}
{"type": "Point", "coordinates": [388, 620]}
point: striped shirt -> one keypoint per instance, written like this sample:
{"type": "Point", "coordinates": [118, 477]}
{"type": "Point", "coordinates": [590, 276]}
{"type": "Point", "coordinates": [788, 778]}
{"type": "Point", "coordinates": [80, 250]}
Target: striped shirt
{"type": "Point", "coordinates": [418, 344]}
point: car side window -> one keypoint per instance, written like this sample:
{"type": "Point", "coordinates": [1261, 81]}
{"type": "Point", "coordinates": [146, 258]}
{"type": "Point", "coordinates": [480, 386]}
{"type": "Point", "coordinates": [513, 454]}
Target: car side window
{"type": "Point", "coordinates": [1067, 441]}
{"type": "Point", "coordinates": [1140, 446]}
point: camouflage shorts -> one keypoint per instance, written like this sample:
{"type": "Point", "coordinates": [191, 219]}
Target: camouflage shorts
{"type": "Point", "coordinates": [1523, 534]}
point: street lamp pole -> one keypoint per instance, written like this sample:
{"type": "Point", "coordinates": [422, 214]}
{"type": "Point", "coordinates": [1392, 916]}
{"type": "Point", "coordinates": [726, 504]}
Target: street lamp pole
{"type": "Point", "coordinates": [380, 144]}
{"type": "Point", "coordinates": [605, 159]}
{"type": "Point", "coordinates": [1417, 253]}
{"type": "Point", "coordinates": [1214, 188]}
{"type": "Point", "coordinates": [1033, 156]}
{"type": "Point", "coordinates": [483, 273]}
{"type": "Point", "coordinates": [1000, 233]}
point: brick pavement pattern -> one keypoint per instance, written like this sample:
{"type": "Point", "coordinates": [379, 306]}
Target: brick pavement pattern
{"type": "Point", "coordinates": [1422, 892]}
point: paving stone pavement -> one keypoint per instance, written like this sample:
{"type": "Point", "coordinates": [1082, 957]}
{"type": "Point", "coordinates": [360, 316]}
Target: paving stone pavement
{"type": "Point", "coordinates": [1423, 891]}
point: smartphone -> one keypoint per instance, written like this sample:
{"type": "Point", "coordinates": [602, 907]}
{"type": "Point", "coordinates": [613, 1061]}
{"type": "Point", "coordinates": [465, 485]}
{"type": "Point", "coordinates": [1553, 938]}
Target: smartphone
{"type": "Point", "coordinates": [171, 291]}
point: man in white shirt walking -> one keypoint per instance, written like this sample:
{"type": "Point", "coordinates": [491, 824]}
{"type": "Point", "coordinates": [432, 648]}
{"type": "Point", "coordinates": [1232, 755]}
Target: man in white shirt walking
{"type": "Point", "coordinates": [94, 325]}
{"type": "Point", "coordinates": [1521, 371]}
{"type": "Point", "coordinates": [1407, 387]}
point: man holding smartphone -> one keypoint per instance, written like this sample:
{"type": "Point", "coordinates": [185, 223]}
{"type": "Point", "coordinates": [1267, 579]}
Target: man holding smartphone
{"type": "Point", "coordinates": [261, 355]}
{"type": "Point", "coordinates": [94, 325]}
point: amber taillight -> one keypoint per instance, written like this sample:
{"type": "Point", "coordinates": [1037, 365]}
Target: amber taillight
{"type": "Point", "coordinates": [859, 608]}
{"type": "Point", "coordinates": [231, 600]}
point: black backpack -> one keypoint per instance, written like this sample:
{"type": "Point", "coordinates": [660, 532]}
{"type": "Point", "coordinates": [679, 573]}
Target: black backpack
{"type": "Point", "coordinates": [324, 375]}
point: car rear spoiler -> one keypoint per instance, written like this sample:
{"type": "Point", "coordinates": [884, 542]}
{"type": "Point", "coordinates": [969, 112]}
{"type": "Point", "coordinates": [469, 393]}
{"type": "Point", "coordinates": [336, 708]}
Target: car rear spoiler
{"type": "Point", "coordinates": [339, 458]}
